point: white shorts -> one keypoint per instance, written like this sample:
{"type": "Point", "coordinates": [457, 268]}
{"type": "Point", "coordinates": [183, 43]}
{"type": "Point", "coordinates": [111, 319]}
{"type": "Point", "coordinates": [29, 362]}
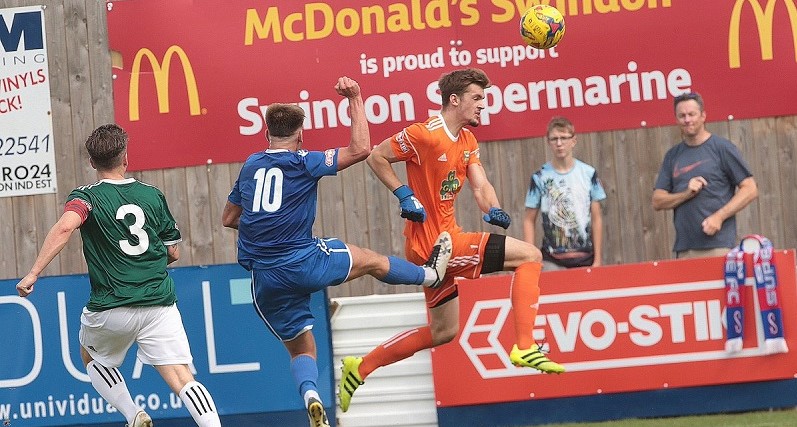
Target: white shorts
{"type": "Point", "coordinates": [158, 330]}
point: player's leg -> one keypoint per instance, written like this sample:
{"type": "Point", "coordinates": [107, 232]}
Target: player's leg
{"type": "Point", "coordinates": [525, 259]}
{"type": "Point", "coordinates": [282, 300]}
{"type": "Point", "coordinates": [163, 344]}
{"type": "Point", "coordinates": [195, 396]}
{"type": "Point", "coordinates": [105, 337]}
{"type": "Point", "coordinates": [396, 271]}
{"type": "Point", "coordinates": [304, 369]}
{"type": "Point", "coordinates": [110, 384]}
{"type": "Point", "coordinates": [444, 314]}
{"type": "Point", "coordinates": [443, 327]}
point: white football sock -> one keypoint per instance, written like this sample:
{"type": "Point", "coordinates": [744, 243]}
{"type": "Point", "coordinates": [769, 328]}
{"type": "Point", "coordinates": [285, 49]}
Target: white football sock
{"type": "Point", "coordinates": [110, 384]}
{"type": "Point", "coordinates": [200, 404]}
{"type": "Point", "coordinates": [308, 395]}
{"type": "Point", "coordinates": [429, 275]}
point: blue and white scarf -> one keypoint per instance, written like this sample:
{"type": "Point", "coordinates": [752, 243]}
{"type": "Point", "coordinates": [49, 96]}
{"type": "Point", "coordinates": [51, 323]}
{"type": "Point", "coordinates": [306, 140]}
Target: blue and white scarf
{"type": "Point", "coordinates": [767, 290]}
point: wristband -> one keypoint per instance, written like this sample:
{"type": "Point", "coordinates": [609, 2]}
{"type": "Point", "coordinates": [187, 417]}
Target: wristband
{"type": "Point", "coordinates": [403, 192]}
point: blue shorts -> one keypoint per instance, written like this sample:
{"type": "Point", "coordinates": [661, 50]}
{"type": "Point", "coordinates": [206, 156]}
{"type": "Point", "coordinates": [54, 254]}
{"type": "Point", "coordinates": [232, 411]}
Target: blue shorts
{"type": "Point", "coordinates": [282, 295]}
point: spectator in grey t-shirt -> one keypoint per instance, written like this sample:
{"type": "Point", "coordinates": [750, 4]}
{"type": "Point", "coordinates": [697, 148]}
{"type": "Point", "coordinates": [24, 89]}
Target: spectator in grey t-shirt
{"type": "Point", "coordinates": [705, 180]}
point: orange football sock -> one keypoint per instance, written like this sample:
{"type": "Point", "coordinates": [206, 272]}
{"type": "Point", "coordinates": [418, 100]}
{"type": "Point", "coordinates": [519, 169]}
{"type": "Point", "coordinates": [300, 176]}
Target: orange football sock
{"type": "Point", "coordinates": [525, 297]}
{"type": "Point", "coordinates": [397, 348]}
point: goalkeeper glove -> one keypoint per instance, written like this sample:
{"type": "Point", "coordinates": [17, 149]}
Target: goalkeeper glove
{"type": "Point", "coordinates": [411, 208]}
{"type": "Point", "coordinates": [498, 217]}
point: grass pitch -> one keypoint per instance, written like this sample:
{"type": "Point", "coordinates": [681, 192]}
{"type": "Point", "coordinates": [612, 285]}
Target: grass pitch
{"type": "Point", "coordinates": [774, 418]}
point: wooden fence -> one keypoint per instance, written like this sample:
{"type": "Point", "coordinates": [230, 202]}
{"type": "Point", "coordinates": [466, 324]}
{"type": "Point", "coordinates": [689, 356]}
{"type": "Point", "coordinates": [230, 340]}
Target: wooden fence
{"type": "Point", "coordinates": [355, 206]}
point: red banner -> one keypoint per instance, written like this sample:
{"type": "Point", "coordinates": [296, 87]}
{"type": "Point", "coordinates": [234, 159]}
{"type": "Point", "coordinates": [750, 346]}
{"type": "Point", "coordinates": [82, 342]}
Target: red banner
{"type": "Point", "coordinates": [193, 77]}
{"type": "Point", "coordinates": [624, 328]}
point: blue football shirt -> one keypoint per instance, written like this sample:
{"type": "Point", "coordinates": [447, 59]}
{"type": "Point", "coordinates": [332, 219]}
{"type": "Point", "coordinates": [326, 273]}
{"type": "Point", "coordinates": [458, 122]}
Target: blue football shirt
{"type": "Point", "coordinates": [278, 191]}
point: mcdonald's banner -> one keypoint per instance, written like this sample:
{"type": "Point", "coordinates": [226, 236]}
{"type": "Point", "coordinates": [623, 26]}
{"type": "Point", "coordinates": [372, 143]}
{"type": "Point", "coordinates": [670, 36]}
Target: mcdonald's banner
{"type": "Point", "coordinates": [192, 78]}
{"type": "Point", "coordinates": [654, 326]}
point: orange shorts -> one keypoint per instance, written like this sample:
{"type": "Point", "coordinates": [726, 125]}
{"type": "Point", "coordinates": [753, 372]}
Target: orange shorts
{"type": "Point", "coordinates": [466, 261]}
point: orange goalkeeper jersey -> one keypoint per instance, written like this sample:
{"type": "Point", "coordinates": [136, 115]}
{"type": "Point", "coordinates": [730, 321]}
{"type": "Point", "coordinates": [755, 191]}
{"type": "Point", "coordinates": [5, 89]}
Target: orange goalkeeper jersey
{"type": "Point", "coordinates": [437, 164]}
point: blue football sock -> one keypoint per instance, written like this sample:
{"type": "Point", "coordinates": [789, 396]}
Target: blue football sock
{"type": "Point", "coordinates": [403, 272]}
{"type": "Point", "coordinates": [305, 372]}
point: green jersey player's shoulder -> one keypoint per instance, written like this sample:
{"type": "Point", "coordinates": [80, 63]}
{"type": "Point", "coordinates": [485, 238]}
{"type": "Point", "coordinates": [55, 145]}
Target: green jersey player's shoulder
{"type": "Point", "coordinates": [146, 184]}
{"type": "Point", "coordinates": [82, 191]}
{"type": "Point", "coordinates": [87, 186]}
{"type": "Point", "coordinates": [154, 188]}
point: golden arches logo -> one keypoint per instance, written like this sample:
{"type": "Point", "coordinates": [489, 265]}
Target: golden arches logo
{"type": "Point", "coordinates": [160, 70]}
{"type": "Point", "coordinates": [763, 20]}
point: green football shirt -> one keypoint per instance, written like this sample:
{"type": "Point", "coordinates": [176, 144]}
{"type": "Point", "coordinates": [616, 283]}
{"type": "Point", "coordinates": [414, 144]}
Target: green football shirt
{"type": "Point", "coordinates": [124, 237]}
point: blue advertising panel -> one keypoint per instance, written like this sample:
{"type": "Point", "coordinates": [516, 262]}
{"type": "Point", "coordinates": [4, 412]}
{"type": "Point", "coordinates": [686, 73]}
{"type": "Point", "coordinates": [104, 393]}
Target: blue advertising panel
{"type": "Point", "coordinates": [43, 381]}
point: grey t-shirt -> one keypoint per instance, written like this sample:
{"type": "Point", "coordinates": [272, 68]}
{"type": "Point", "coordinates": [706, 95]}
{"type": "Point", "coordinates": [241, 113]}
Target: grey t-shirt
{"type": "Point", "coordinates": [720, 163]}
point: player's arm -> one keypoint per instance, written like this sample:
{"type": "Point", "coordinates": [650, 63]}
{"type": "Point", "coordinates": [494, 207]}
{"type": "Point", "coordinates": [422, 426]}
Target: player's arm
{"type": "Point", "coordinates": [483, 190]}
{"type": "Point", "coordinates": [172, 254]}
{"type": "Point", "coordinates": [380, 161]}
{"type": "Point", "coordinates": [596, 214]}
{"type": "Point", "coordinates": [486, 198]}
{"type": "Point", "coordinates": [529, 220]}
{"type": "Point", "coordinates": [55, 241]}
{"type": "Point", "coordinates": [360, 142]}
{"type": "Point", "coordinates": [663, 199]}
{"type": "Point", "coordinates": [231, 216]}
